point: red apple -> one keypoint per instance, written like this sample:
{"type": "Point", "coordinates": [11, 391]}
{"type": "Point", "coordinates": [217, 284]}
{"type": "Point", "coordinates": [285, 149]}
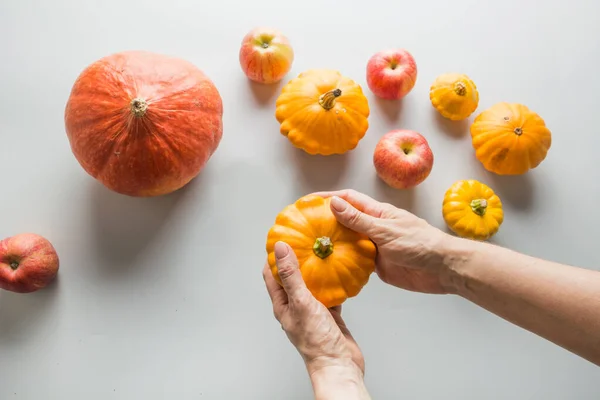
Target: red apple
{"type": "Point", "coordinates": [266, 55]}
{"type": "Point", "coordinates": [391, 74]}
{"type": "Point", "coordinates": [403, 159]}
{"type": "Point", "coordinates": [28, 262]}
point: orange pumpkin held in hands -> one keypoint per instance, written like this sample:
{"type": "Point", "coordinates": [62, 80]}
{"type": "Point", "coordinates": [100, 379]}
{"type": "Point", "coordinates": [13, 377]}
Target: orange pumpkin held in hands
{"type": "Point", "coordinates": [143, 124]}
{"type": "Point", "coordinates": [510, 139]}
{"type": "Point", "coordinates": [323, 112]}
{"type": "Point", "coordinates": [335, 261]}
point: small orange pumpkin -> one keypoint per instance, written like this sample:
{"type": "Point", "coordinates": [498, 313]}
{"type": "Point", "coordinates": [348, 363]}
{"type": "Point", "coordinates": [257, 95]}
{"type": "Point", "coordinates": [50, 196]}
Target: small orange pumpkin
{"type": "Point", "coordinates": [335, 261]}
{"type": "Point", "coordinates": [323, 112]}
{"type": "Point", "coordinates": [510, 139]}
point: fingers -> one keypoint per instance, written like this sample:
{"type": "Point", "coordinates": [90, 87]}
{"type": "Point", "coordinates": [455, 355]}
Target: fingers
{"type": "Point", "coordinates": [289, 272]}
{"type": "Point", "coordinates": [359, 200]}
{"type": "Point", "coordinates": [276, 292]}
{"type": "Point", "coordinates": [336, 309]}
{"type": "Point", "coordinates": [336, 313]}
{"type": "Point", "coordinates": [350, 217]}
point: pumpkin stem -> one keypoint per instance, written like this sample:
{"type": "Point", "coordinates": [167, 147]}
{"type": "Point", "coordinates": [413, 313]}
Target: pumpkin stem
{"type": "Point", "coordinates": [327, 100]}
{"type": "Point", "coordinates": [479, 206]}
{"type": "Point", "coordinates": [323, 247]}
{"type": "Point", "coordinates": [460, 88]}
{"type": "Point", "coordinates": [138, 107]}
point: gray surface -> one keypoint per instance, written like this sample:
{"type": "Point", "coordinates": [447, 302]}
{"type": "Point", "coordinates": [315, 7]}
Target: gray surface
{"type": "Point", "coordinates": [163, 298]}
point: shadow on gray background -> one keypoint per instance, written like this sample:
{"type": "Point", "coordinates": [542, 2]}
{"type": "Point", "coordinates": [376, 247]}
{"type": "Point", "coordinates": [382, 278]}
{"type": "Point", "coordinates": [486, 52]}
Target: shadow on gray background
{"type": "Point", "coordinates": [453, 129]}
{"type": "Point", "coordinates": [390, 109]}
{"type": "Point", "coordinates": [318, 173]}
{"type": "Point", "coordinates": [23, 315]}
{"type": "Point", "coordinates": [123, 226]}
{"type": "Point", "coordinates": [518, 191]}
{"type": "Point", "coordinates": [265, 94]}
{"type": "Point", "coordinates": [401, 198]}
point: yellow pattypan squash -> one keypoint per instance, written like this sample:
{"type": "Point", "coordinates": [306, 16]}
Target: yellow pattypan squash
{"type": "Point", "coordinates": [472, 210]}
{"type": "Point", "coordinates": [454, 96]}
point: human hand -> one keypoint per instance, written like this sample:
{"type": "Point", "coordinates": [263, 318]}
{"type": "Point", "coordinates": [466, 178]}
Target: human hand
{"type": "Point", "coordinates": [331, 355]}
{"type": "Point", "coordinates": [411, 252]}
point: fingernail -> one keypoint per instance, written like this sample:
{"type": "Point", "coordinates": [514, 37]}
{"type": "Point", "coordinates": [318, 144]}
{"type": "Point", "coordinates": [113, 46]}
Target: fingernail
{"type": "Point", "coordinates": [281, 250]}
{"type": "Point", "coordinates": [338, 204]}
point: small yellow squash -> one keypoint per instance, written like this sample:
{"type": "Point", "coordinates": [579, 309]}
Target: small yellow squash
{"type": "Point", "coordinates": [472, 210]}
{"type": "Point", "coordinates": [454, 96]}
{"type": "Point", "coordinates": [323, 112]}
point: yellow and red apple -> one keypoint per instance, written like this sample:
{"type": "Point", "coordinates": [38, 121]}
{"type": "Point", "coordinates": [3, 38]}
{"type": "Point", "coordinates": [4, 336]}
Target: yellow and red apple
{"type": "Point", "coordinates": [403, 159]}
{"type": "Point", "coordinates": [391, 74]}
{"type": "Point", "coordinates": [266, 55]}
{"type": "Point", "coordinates": [28, 262]}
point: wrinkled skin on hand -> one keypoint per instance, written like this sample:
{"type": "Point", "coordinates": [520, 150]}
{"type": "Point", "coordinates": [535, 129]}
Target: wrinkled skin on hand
{"type": "Point", "coordinates": [319, 334]}
{"type": "Point", "coordinates": [409, 249]}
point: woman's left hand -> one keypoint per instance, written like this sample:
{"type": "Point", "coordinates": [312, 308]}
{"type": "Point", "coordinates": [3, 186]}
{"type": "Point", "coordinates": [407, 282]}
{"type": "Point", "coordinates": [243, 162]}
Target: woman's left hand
{"type": "Point", "coordinates": [319, 334]}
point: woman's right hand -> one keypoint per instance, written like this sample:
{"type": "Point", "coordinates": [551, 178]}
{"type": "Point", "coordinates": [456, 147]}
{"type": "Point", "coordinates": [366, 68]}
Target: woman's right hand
{"type": "Point", "coordinates": [411, 253]}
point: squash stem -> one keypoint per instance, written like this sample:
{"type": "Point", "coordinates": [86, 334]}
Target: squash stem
{"type": "Point", "coordinates": [327, 100]}
{"type": "Point", "coordinates": [323, 247]}
{"type": "Point", "coordinates": [460, 88]}
{"type": "Point", "coordinates": [138, 107]}
{"type": "Point", "coordinates": [479, 206]}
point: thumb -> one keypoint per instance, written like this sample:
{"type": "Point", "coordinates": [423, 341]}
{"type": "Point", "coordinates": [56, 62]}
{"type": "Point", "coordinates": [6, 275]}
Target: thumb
{"type": "Point", "coordinates": [288, 270]}
{"type": "Point", "coordinates": [350, 217]}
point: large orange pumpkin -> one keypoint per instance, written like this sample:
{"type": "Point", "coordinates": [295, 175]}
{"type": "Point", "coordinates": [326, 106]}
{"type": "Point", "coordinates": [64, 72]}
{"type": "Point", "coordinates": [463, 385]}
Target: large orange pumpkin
{"type": "Point", "coordinates": [143, 124]}
{"type": "Point", "coordinates": [335, 261]}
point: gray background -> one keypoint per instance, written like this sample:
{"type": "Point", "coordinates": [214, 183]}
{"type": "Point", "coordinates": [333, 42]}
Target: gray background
{"type": "Point", "coordinates": [163, 298]}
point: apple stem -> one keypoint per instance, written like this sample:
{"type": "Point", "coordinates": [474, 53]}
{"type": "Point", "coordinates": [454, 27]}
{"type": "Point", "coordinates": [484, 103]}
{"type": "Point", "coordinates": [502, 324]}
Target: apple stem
{"type": "Point", "coordinates": [138, 107]}
{"type": "Point", "coordinates": [327, 100]}
{"type": "Point", "coordinates": [479, 206]}
{"type": "Point", "coordinates": [460, 88]}
{"type": "Point", "coordinates": [323, 247]}
{"type": "Point", "coordinates": [14, 265]}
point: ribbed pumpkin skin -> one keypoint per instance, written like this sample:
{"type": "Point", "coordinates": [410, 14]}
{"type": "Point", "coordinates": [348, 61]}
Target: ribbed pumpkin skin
{"type": "Point", "coordinates": [454, 96]}
{"type": "Point", "coordinates": [155, 145]}
{"type": "Point", "coordinates": [460, 216]}
{"type": "Point", "coordinates": [341, 274]}
{"type": "Point", "coordinates": [311, 127]}
{"type": "Point", "coordinates": [510, 139]}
